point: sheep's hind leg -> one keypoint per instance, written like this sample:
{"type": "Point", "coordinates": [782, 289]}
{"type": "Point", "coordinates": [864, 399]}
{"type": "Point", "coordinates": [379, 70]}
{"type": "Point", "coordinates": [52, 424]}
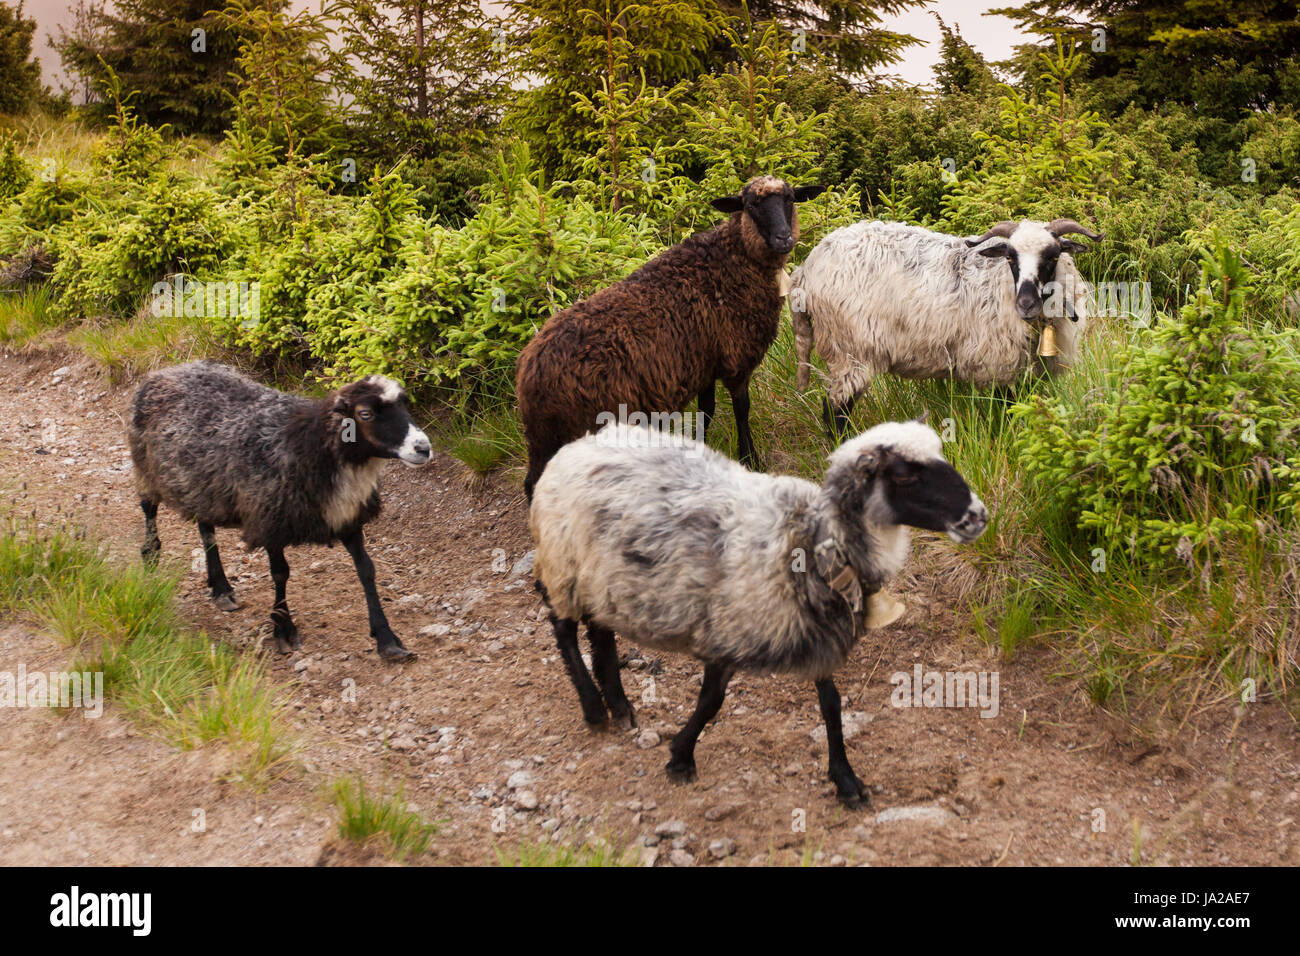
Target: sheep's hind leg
{"type": "Point", "coordinates": [836, 416]}
{"type": "Point", "coordinates": [851, 791]}
{"type": "Point", "coordinates": [566, 639]}
{"type": "Point", "coordinates": [604, 662]}
{"type": "Point", "coordinates": [223, 595]}
{"type": "Point", "coordinates": [681, 767]}
{"type": "Point", "coordinates": [152, 543]}
{"type": "Point", "coordinates": [286, 632]}
{"type": "Point", "coordinates": [389, 646]}
{"type": "Point", "coordinates": [707, 405]}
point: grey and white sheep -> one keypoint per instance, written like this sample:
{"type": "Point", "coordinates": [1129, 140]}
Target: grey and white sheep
{"type": "Point", "coordinates": [678, 548]}
{"type": "Point", "coordinates": [225, 451]}
{"type": "Point", "coordinates": [879, 297]}
{"type": "Point", "coordinates": [702, 311]}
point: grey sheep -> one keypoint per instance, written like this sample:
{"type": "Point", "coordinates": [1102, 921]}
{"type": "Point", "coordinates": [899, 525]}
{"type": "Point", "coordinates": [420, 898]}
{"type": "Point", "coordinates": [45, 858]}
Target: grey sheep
{"type": "Point", "coordinates": [225, 451]}
{"type": "Point", "coordinates": [678, 548]}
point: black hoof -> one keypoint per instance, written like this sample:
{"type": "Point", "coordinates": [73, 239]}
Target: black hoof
{"type": "Point", "coordinates": [681, 772]}
{"type": "Point", "coordinates": [226, 602]}
{"type": "Point", "coordinates": [286, 639]}
{"type": "Point", "coordinates": [852, 792]}
{"type": "Point", "coordinates": [625, 719]}
{"type": "Point", "coordinates": [396, 653]}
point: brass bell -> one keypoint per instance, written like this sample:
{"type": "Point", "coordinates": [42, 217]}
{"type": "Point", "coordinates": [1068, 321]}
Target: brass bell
{"type": "Point", "coordinates": [1047, 342]}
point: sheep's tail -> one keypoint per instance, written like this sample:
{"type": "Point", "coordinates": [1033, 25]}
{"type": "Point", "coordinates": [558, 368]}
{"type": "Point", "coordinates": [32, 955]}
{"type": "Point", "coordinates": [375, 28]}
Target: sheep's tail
{"type": "Point", "coordinates": [803, 331]}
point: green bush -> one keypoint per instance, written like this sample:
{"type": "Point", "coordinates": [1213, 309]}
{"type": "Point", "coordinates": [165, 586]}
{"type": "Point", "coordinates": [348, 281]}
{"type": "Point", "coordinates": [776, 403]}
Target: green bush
{"type": "Point", "coordinates": [1192, 445]}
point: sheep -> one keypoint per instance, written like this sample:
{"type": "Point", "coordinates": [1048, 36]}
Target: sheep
{"type": "Point", "coordinates": [888, 297]}
{"type": "Point", "coordinates": [678, 548]}
{"type": "Point", "coordinates": [225, 451]}
{"type": "Point", "coordinates": [703, 310]}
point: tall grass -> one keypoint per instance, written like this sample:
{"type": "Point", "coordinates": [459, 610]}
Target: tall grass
{"type": "Point", "coordinates": [26, 315]}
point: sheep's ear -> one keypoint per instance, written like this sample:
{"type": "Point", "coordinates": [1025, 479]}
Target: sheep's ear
{"type": "Point", "coordinates": [341, 405]}
{"type": "Point", "coordinates": [804, 193]}
{"type": "Point", "coordinates": [1070, 246]}
{"type": "Point", "coordinates": [728, 204]}
{"type": "Point", "coordinates": [920, 419]}
{"type": "Point", "coordinates": [994, 250]}
{"type": "Point", "coordinates": [872, 460]}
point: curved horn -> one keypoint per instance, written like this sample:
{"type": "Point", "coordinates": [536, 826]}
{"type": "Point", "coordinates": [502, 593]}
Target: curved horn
{"type": "Point", "coordinates": [1059, 227]}
{"type": "Point", "coordinates": [1004, 229]}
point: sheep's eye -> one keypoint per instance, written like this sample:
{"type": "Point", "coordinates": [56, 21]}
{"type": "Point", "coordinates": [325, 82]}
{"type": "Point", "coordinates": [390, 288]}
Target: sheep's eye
{"type": "Point", "coordinates": [365, 414]}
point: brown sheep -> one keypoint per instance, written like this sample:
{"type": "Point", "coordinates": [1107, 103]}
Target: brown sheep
{"type": "Point", "coordinates": [703, 310]}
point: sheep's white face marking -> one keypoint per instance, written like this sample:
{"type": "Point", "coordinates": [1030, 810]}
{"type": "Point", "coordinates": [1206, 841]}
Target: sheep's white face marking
{"type": "Point", "coordinates": [415, 449]}
{"type": "Point", "coordinates": [389, 391]}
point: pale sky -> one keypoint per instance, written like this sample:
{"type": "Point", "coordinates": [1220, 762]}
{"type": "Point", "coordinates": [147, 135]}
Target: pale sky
{"type": "Point", "coordinates": [994, 37]}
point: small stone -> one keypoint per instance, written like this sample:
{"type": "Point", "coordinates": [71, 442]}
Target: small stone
{"type": "Point", "coordinates": [647, 740]}
{"type": "Point", "coordinates": [936, 816]}
{"type": "Point", "coordinates": [520, 779]}
{"type": "Point", "coordinates": [402, 743]}
{"type": "Point", "coordinates": [435, 630]}
{"type": "Point", "coordinates": [649, 855]}
{"type": "Point", "coordinates": [62, 372]}
{"type": "Point", "coordinates": [671, 828]}
{"type": "Point", "coordinates": [681, 858]}
{"type": "Point", "coordinates": [302, 665]}
{"type": "Point", "coordinates": [721, 849]}
{"type": "Point", "coordinates": [526, 800]}
{"type": "Point", "coordinates": [524, 565]}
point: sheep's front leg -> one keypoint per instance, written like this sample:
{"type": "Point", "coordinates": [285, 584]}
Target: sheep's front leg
{"type": "Point", "coordinates": [152, 543]}
{"type": "Point", "coordinates": [286, 632]}
{"type": "Point", "coordinates": [740, 404]}
{"type": "Point", "coordinates": [390, 648]}
{"type": "Point", "coordinates": [223, 595]}
{"type": "Point", "coordinates": [566, 639]}
{"type": "Point", "coordinates": [712, 692]}
{"type": "Point", "coordinates": [604, 661]}
{"type": "Point", "coordinates": [851, 791]}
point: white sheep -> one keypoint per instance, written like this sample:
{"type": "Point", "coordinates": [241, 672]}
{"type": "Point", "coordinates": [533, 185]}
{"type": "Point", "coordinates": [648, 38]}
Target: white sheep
{"type": "Point", "coordinates": [676, 547]}
{"type": "Point", "coordinates": [879, 297]}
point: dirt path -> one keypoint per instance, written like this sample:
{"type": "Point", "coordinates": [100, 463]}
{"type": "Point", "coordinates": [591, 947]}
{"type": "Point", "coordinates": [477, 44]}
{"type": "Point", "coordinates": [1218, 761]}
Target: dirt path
{"type": "Point", "coordinates": [488, 701]}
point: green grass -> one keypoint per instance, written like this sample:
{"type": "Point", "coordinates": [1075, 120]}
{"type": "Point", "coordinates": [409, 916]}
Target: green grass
{"type": "Point", "coordinates": [127, 350]}
{"type": "Point", "coordinates": [26, 315]}
{"type": "Point", "coordinates": [121, 620]}
{"type": "Point", "coordinates": [543, 853]}
{"type": "Point", "coordinates": [384, 818]}
{"type": "Point", "coordinates": [484, 441]}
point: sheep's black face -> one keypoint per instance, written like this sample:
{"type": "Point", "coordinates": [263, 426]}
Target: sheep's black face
{"type": "Point", "coordinates": [895, 474]}
{"type": "Point", "coordinates": [931, 495]}
{"type": "Point", "coordinates": [381, 426]}
{"type": "Point", "coordinates": [769, 202]}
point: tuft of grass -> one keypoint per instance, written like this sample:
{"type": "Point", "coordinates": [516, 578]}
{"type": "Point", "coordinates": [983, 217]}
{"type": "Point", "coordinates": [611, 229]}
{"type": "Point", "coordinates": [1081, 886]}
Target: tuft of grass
{"type": "Point", "coordinates": [127, 350]}
{"type": "Point", "coordinates": [484, 441]}
{"type": "Point", "coordinates": [26, 315]}
{"type": "Point", "coordinates": [542, 853]}
{"type": "Point", "coordinates": [384, 818]}
{"type": "Point", "coordinates": [122, 621]}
